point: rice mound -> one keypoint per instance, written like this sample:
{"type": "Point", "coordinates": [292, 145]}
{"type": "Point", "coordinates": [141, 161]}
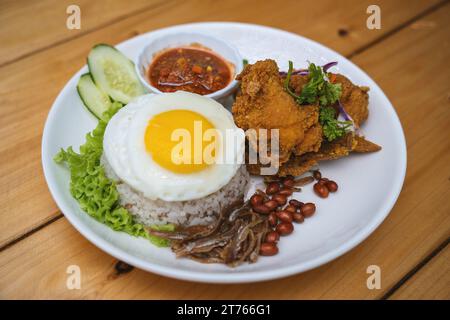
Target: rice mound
{"type": "Point", "coordinates": [186, 213]}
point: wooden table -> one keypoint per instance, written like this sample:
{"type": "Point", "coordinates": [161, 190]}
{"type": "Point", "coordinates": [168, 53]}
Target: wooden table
{"type": "Point", "coordinates": [408, 57]}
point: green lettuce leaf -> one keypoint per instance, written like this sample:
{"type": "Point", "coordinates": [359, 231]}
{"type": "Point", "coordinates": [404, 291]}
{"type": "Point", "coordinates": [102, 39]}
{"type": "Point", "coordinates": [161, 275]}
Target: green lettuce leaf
{"type": "Point", "coordinates": [96, 194]}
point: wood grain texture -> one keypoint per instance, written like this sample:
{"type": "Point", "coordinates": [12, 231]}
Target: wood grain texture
{"type": "Point", "coordinates": [29, 87]}
{"type": "Point", "coordinates": [411, 66]}
{"type": "Point", "coordinates": [431, 282]}
{"type": "Point", "coordinates": [29, 26]}
{"type": "Point", "coordinates": [21, 25]}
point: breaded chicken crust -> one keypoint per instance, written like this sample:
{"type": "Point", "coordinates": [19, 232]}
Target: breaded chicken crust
{"type": "Point", "coordinates": [341, 147]}
{"type": "Point", "coordinates": [262, 103]}
{"type": "Point", "coordinates": [354, 99]}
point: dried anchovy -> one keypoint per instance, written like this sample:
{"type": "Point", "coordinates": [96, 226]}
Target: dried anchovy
{"type": "Point", "coordinates": [194, 232]}
{"type": "Point", "coordinates": [269, 179]}
{"type": "Point", "coordinates": [303, 181]}
{"type": "Point", "coordinates": [300, 182]}
{"type": "Point", "coordinates": [235, 238]}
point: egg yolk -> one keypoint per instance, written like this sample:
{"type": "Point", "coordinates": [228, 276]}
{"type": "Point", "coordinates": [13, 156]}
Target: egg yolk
{"type": "Point", "coordinates": [176, 141]}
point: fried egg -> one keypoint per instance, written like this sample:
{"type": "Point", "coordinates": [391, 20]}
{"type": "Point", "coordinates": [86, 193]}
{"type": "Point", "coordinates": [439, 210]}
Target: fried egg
{"type": "Point", "coordinates": [174, 146]}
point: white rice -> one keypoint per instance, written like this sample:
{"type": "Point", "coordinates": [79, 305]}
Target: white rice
{"type": "Point", "coordinates": [187, 213]}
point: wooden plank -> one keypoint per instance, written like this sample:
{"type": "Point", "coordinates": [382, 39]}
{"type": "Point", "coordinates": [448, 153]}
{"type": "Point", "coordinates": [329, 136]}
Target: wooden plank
{"type": "Point", "coordinates": [415, 77]}
{"type": "Point", "coordinates": [432, 282]}
{"type": "Point", "coordinates": [20, 25]}
{"type": "Point", "coordinates": [342, 27]}
{"type": "Point", "coordinates": [28, 87]}
{"type": "Point", "coordinates": [29, 26]}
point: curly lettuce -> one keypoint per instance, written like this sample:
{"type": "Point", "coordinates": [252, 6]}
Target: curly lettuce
{"type": "Point", "coordinates": [96, 194]}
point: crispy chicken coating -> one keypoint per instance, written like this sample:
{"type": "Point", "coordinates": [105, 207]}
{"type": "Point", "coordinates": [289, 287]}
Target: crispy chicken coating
{"type": "Point", "coordinates": [341, 147]}
{"type": "Point", "coordinates": [355, 100]}
{"type": "Point", "coordinates": [363, 145]}
{"type": "Point", "coordinates": [262, 103]}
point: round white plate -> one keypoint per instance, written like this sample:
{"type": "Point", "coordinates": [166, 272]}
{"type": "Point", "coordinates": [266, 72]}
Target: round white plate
{"type": "Point", "coordinates": [369, 184]}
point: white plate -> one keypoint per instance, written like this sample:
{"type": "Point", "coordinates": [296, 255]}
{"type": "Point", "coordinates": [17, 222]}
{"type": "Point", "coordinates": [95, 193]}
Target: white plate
{"type": "Point", "coordinates": [369, 184]}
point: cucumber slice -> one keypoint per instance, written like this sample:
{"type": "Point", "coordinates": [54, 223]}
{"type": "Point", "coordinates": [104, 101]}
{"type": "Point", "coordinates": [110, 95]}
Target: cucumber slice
{"type": "Point", "coordinates": [114, 73]}
{"type": "Point", "coordinates": [95, 100]}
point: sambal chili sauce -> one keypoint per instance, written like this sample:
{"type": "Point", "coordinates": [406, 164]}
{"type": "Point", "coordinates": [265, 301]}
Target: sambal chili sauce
{"type": "Point", "coordinates": [189, 69]}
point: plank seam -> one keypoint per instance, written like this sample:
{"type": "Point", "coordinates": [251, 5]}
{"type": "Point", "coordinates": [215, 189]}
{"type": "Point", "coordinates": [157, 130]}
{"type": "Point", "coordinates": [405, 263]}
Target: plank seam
{"type": "Point", "coordinates": [414, 270]}
{"type": "Point", "coordinates": [31, 232]}
{"type": "Point", "coordinates": [162, 3]}
{"type": "Point", "coordinates": [397, 29]}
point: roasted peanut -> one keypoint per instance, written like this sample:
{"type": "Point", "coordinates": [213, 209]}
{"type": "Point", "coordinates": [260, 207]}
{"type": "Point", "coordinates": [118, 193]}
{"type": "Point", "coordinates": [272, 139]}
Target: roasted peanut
{"type": "Point", "coordinates": [286, 191]}
{"type": "Point", "coordinates": [256, 200]}
{"type": "Point", "coordinates": [290, 208]}
{"type": "Point", "coordinates": [273, 188]}
{"type": "Point", "coordinates": [262, 209]}
{"type": "Point", "coordinates": [280, 199]}
{"type": "Point", "coordinates": [321, 190]}
{"type": "Point", "coordinates": [289, 181]}
{"type": "Point", "coordinates": [284, 216]}
{"type": "Point", "coordinates": [284, 228]}
{"type": "Point", "coordinates": [271, 204]}
{"type": "Point", "coordinates": [308, 209]}
{"type": "Point", "coordinates": [331, 186]}
{"type": "Point", "coordinates": [273, 219]}
{"type": "Point", "coordinates": [272, 236]}
{"type": "Point", "coordinates": [268, 249]}
{"type": "Point", "coordinates": [298, 217]}
{"type": "Point", "coordinates": [295, 203]}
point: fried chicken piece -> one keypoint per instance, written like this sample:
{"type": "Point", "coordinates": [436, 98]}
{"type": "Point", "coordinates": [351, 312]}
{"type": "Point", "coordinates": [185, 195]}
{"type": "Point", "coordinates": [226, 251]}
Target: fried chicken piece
{"type": "Point", "coordinates": [341, 147]}
{"type": "Point", "coordinates": [363, 145]}
{"type": "Point", "coordinates": [294, 167]}
{"type": "Point", "coordinates": [297, 165]}
{"type": "Point", "coordinates": [263, 103]}
{"type": "Point", "coordinates": [310, 143]}
{"type": "Point", "coordinates": [355, 99]}
{"type": "Point", "coordinates": [297, 82]}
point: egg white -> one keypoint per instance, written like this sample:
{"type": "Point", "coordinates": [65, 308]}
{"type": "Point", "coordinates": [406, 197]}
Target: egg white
{"type": "Point", "coordinates": [124, 148]}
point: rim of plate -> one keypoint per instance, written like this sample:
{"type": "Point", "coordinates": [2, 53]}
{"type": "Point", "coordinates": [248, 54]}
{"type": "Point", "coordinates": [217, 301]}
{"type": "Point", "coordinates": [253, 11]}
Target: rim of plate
{"type": "Point", "coordinates": [228, 277]}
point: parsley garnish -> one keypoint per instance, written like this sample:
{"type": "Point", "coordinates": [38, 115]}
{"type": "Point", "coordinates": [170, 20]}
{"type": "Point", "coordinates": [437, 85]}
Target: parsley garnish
{"type": "Point", "coordinates": [332, 128]}
{"type": "Point", "coordinates": [319, 89]}
{"type": "Point", "coordinates": [288, 80]}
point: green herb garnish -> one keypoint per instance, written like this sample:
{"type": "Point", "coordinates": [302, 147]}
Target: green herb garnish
{"type": "Point", "coordinates": [319, 89]}
{"type": "Point", "coordinates": [244, 62]}
{"type": "Point", "coordinates": [288, 80]}
{"type": "Point", "coordinates": [95, 193]}
{"type": "Point", "coordinates": [332, 128]}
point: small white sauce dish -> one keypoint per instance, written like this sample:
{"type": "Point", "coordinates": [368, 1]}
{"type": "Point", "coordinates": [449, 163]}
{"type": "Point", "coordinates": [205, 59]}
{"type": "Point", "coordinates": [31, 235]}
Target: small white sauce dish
{"type": "Point", "coordinates": [223, 49]}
